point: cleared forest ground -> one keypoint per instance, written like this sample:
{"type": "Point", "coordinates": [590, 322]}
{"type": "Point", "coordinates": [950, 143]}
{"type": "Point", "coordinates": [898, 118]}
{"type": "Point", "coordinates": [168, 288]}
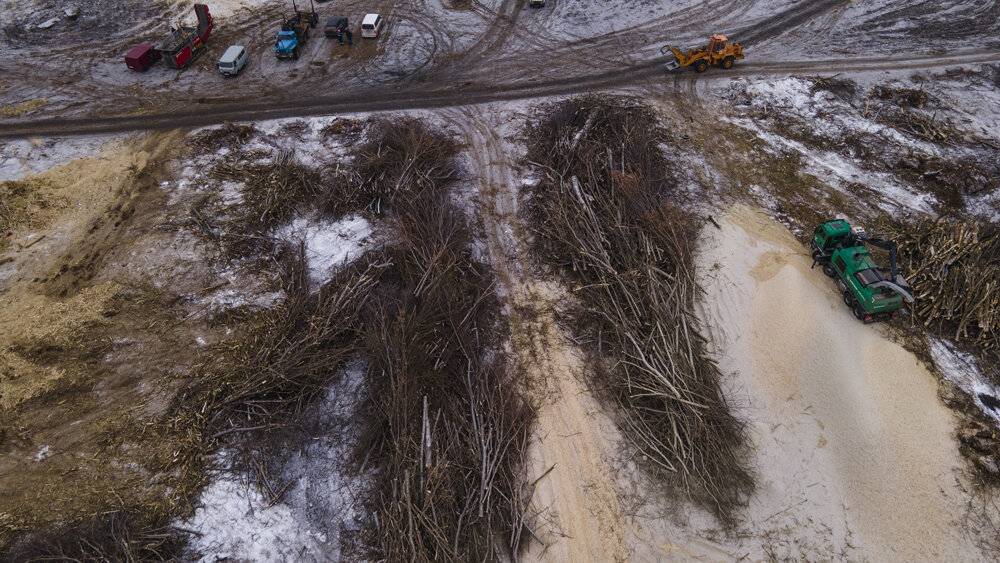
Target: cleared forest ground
{"type": "Point", "coordinates": [570, 328]}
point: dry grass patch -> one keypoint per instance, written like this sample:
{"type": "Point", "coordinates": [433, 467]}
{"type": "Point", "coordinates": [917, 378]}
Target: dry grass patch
{"type": "Point", "coordinates": [14, 110]}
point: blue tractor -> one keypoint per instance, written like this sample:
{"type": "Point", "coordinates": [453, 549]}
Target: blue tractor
{"type": "Point", "coordinates": [295, 32]}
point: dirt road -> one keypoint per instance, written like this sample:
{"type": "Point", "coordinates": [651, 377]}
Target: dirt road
{"type": "Point", "coordinates": [854, 450]}
{"type": "Point", "coordinates": [576, 508]}
{"type": "Point", "coordinates": [379, 101]}
{"type": "Point", "coordinates": [421, 66]}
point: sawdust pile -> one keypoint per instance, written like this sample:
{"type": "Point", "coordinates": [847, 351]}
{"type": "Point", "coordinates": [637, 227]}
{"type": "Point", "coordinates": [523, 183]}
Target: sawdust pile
{"type": "Point", "coordinates": [25, 203]}
{"type": "Point", "coordinates": [48, 344]}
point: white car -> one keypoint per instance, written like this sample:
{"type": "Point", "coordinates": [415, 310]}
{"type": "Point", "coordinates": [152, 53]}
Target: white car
{"type": "Point", "coordinates": [233, 60]}
{"type": "Point", "coordinates": [371, 25]}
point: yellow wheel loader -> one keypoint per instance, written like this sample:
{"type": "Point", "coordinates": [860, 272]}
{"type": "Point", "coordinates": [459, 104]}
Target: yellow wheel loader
{"type": "Point", "coordinates": [719, 52]}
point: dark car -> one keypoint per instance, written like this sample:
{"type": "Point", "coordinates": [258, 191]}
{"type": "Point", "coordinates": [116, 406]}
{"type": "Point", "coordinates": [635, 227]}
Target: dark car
{"type": "Point", "coordinates": [335, 25]}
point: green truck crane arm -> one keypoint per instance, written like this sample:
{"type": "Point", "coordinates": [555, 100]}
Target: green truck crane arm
{"type": "Point", "coordinates": [893, 264]}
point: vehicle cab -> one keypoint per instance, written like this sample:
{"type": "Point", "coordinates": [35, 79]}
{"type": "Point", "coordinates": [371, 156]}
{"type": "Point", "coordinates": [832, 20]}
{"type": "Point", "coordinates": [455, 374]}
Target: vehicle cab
{"type": "Point", "coordinates": [371, 25]}
{"type": "Point", "coordinates": [827, 236]}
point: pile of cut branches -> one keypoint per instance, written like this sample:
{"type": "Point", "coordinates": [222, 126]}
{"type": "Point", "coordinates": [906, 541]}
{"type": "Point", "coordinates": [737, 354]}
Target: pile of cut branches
{"type": "Point", "coordinates": [229, 135]}
{"type": "Point", "coordinates": [273, 191]}
{"type": "Point", "coordinates": [954, 268]}
{"type": "Point", "coordinates": [111, 536]}
{"type": "Point", "coordinates": [400, 161]}
{"type": "Point", "coordinates": [446, 419]}
{"type": "Point", "coordinates": [605, 220]}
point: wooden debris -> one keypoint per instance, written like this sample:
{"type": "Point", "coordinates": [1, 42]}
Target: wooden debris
{"type": "Point", "coordinates": [954, 268]}
{"type": "Point", "coordinates": [609, 226]}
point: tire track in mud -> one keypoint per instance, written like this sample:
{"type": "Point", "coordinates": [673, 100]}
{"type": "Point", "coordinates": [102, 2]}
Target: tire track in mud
{"type": "Point", "coordinates": [419, 98]}
{"type": "Point", "coordinates": [498, 32]}
{"type": "Point", "coordinates": [783, 22]}
{"type": "Point", "coordinates": [656, 25]}
{"type": "Point", "coordinates": [578, 512]}
{"type": "Point", "coordinates": [659, 27]}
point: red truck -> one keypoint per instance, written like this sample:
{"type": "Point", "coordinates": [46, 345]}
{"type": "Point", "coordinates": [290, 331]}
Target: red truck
{"type": "Point", "coordinates": [180, 48]}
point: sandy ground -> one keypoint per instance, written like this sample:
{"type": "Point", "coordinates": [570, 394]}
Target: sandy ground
{"type": "Point", "coordinates": [855, 453]}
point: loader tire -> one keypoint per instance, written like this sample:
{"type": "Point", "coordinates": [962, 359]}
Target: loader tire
{"type": "Point", "coordinates": [295, 53]}
{"type": "Point", "coordinates": [828, 270]}
{"type": "Point", "coordinates": [701, 66]}
{"type": "Point", "coordinates": [728, 62]}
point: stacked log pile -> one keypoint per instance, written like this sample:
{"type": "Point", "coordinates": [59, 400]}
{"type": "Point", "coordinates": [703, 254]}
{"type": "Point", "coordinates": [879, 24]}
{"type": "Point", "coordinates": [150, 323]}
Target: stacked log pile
{"type": "Point", "coordinates": [954, 268]}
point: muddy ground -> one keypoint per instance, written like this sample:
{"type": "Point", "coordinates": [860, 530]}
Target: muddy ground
{"type": "Point", "coordinates": [114, 297]}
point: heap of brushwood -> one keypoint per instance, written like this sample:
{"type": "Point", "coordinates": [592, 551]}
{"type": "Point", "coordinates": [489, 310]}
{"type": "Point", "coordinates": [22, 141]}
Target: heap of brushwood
{"type": "Point", "coordinates": [605, 219]}
{"type": "Point", "coordinates": [954, 269]}
{"type": "Point", "coordinates": [445, 422]}
{"type": "Point", "coordinates": [446, 419]}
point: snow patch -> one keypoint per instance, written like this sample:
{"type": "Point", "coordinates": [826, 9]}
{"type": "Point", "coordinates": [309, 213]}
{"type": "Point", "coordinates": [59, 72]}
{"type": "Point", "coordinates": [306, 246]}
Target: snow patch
{"type": "Point", "coordinates": [328, 243]}
{"type": "Point", "coordinates": [235, 522]}
{"type": "Point", "coordinates": [962, 370]}
{"type": "Point", "coordinates": [20, 158]}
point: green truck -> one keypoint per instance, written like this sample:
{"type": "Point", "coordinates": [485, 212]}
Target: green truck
{"type": "Point", "coordinates": [872, 293]}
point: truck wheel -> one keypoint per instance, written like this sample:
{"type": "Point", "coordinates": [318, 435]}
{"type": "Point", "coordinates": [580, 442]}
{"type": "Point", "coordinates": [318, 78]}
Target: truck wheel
{"type": "Point", "coordinates": [859, 313]}
{"type": "Point", "coordinates": [848, 299]}
{"type": "Point", "coordinates": [728, 62]}
{"type": "Point", "coordinates": [817, 255]}
{"type": "Point", "coordinates": [701, 66]}
{"type": "Point", "coordinates": [828, 270]}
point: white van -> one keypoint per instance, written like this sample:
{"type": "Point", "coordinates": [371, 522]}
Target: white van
{"type": "Point", "coordinates": [371, 25]}
{"type": "Point", "coordinates": [233, 60]}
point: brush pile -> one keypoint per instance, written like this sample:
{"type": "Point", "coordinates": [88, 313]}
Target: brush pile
{"type": "Point", "coordinates": [605, 219]}
{"type": "Point", "coordinates": [954, 269]}
{"type": "Point", "coordinates": [112, 536]}
{"type": "Point", "coordinates": [446, 421]}
{"type": "Point", "coordinates": [273, 191]}
{"type": "Point", "coordinates": [230, 135]}
{"type": "Point", "coordinates": [444, 418]}
{"type": "Point", "coordinates": [274, 187]}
